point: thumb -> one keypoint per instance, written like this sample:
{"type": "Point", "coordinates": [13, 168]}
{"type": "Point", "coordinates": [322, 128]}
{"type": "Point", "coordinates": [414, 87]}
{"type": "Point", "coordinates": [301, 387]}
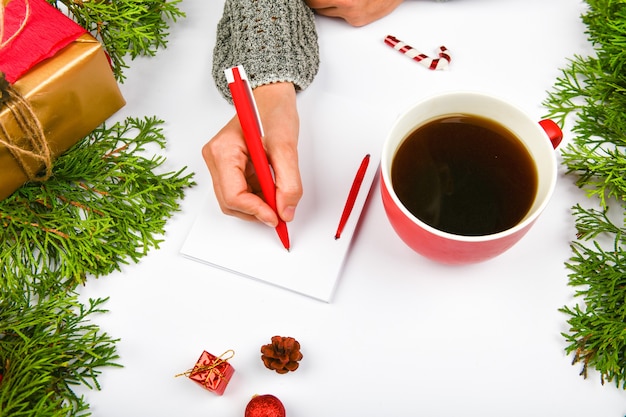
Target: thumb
{"type": "Point", "coordinates": [288, 188]}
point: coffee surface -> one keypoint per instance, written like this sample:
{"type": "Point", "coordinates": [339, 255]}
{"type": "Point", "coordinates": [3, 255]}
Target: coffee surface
{"type": "Point", "coordinates": [465, 175]}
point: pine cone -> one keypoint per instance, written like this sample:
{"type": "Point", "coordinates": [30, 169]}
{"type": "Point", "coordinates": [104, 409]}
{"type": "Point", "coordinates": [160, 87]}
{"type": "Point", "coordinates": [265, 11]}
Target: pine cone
{"type": "Point", "coordinates": [282, 355]}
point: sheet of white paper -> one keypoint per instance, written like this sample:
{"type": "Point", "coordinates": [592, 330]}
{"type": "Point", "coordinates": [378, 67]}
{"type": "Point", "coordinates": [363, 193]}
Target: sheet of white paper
{"type": "Point", "coordinates": [335, 135]}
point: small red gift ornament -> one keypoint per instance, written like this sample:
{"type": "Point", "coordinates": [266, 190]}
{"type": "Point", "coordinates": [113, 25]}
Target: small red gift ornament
{"type": "Point", "coordinates": [212, 372]}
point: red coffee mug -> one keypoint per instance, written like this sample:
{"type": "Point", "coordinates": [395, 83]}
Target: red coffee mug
{"type": "Point", "coordinates": [540, 140]}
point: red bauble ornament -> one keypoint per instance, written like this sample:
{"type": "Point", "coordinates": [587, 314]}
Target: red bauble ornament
{"type": "Point", "coordinates": [265, 406]}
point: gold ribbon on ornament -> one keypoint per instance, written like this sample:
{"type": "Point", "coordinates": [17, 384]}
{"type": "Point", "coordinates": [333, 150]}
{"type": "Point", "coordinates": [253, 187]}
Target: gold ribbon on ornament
{"type": "Point", "coordinates": [211, 367]}
{"type": "Point", "coordinates": [33, 146]}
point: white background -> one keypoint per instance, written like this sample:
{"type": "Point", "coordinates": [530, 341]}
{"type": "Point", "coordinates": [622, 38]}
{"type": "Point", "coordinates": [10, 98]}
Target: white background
{"type": "Point", "coordinates": [403, 336]}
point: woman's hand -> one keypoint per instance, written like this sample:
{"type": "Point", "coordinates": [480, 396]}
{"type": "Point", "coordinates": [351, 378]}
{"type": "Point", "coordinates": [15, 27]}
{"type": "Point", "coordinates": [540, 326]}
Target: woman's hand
{"type": "Point", "coordinates": [226, 155]}
{"type": "Point", "coordinates": [355, 12]}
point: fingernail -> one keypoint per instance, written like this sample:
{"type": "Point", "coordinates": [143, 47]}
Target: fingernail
{"type": "Point", "coordinates": [270, 224]}
{"type": "Point", "coordinates": [289, 213]}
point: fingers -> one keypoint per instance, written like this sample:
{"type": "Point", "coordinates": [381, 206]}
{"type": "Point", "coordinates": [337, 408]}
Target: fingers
{"type": "Point", "coordinates": [284, 159]}
{"type": "Point", "coordinates": [355, 12]}
{"type": "Point", "coordinates": [226, 157]}
{"type": "Point", "coordinates": [352, 17]}
{"type": "Point", "coordinates": [278, 110]}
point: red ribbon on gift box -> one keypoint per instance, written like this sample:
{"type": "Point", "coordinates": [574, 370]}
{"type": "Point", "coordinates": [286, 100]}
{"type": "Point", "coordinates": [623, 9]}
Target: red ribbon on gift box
{"type": "Point", "coordinates": [31, 31]}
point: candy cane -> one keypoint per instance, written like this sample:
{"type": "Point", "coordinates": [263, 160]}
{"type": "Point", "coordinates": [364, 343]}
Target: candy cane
{"type": "Point", "coordinates": [431, 63]}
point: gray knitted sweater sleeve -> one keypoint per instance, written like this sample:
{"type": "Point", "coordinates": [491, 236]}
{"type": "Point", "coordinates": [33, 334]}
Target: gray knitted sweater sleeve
{"type": "Point", "coordinates": [275, 41]}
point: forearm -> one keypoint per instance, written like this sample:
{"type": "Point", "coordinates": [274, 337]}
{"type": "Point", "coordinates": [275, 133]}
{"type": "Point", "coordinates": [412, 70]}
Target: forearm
{"type": "Point", "coordinates": [275, 40]}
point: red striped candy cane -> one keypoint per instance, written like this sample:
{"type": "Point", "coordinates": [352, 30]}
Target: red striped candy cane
{"type": "Point", "coordinates": [431, 63]}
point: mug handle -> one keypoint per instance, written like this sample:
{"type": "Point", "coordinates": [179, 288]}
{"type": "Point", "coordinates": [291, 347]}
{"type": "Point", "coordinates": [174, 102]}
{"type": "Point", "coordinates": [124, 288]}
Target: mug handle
{"type": "Point", "coordinates": [553, 130]}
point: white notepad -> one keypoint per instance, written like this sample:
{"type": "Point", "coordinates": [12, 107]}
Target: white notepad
{"type": "Point", "coordinates": [335, 135]}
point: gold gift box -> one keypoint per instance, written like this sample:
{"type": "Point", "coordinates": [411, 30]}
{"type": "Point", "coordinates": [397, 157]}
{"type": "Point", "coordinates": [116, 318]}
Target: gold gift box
{"type": "Point", "coordinates": [71, 94]}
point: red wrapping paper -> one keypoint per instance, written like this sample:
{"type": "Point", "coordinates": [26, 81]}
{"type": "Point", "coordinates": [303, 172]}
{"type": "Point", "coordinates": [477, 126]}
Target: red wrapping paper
{"type": "Point", "coordinates": [213, 373]}
{"type": "Point", "coordinates": [33, 31]}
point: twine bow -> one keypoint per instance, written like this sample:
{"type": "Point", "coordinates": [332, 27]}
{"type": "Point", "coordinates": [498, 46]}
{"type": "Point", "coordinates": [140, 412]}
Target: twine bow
{"type": "Point", "coordinates": [209, 367]}
{"type": "Point", "coordinates": [33, 146]}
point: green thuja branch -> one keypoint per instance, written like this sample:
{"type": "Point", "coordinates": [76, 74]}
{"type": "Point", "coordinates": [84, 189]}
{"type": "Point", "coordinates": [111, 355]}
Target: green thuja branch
{"type": "Point", "coordinates": [125, 27]}
{"type": "Point", "coordinates": [592, 91]}
{"type": "Point", "coordinates": [46, 348]}
{"type": "Point", "coordinates": [597, 330]}
{"type": "Point", "coordinates": [105, 204]}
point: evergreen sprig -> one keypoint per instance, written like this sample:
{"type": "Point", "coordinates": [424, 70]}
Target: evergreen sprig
{"type": "Point", "coordinates": [46, 347]}
{"type": "Point", "coordinates": [592, 92]}
{"type": "Point", "coordinates": [105, 204]}
{"type": "Point", "coordinates": [126, 28]}
{"type": "Point", "coordinates": [597, 330]}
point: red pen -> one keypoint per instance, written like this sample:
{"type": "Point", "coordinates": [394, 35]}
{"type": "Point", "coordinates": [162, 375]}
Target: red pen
{"type": "Point", "coordinates": [250, 121]}
{"type": "Point", "coordinates": [354, 192]}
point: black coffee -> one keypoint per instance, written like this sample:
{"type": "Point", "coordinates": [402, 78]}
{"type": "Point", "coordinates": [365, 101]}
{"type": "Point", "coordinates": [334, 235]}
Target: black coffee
{"type": "Point", "coordinates": [465, 175]}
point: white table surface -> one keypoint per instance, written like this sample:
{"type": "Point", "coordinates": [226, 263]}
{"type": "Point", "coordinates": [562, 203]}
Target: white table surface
{"type": "Point", "coordinates": [403, 336]}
